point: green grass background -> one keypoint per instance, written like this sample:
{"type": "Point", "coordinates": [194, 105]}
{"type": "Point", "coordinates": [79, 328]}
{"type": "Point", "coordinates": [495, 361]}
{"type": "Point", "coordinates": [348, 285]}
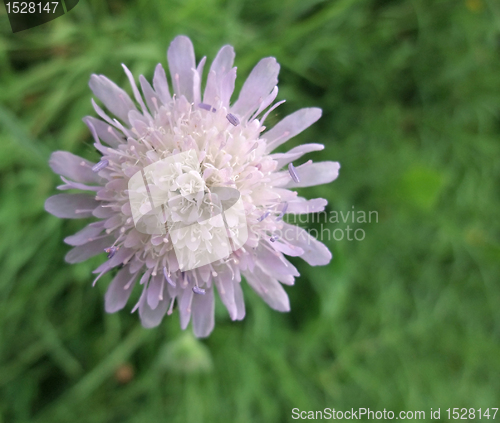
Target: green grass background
{"type": "Point", "coordinates": [407, 319]}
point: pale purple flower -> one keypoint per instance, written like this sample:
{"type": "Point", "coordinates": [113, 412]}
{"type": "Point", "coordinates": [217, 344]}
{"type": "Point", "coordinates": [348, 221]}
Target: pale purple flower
{"type": "Point", "coordinates": [233, 149]}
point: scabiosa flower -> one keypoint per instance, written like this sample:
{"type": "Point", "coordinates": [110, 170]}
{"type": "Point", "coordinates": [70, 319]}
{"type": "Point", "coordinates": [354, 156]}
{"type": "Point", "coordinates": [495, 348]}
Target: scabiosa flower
{"type": "Point", "coordinates": [227, 146]}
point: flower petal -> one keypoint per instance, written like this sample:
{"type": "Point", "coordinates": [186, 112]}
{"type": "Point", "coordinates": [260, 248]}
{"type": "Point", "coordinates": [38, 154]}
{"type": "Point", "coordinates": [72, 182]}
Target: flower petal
{"type": "Point", "coordinates": [134, 238]}
{"type": "Point", "coordinates": [223, 62]}
{"type": "Point", "coordinates": [181, 63]}
{"type": "Point", "coordinates": [269, 289]}
{"type": "Point", "coordinates": [290, 126]}
{"type": "Point", "coordinates": [186, 297]}
{"type": "Point", "coordinates": [90, 249]}
{"type": "Point", "coordinates": [160, 84]}
{"type": "Point", "coordinates": [149, 95]}
{"type": "Point", "coordinates": [73, 167]}
{"type": "Point", "coordinates": [85, 235]}
{"type": "Point", "coordinates": [211, 90]}
{"type": "Point", "coordinates": [286, 248]}
{"type": "Point", "coordinates": [151, 318]}
{"type": "Point", "coordinates": [266, 102]}
{"type": "Point", "coordinates": [122, 256]}
{"type": "Point", "coordinates": [315, 174]}
{"type": "Point", "coordinates": [239, 301]}
{"type": "Point", "coordinates": [198, 74]}
{"type": "Point", "coordinates": [203, 313]}
{"type": "Point", "coordinates": [116, 295]}
{"type": "Point", "coordinates": [283, 159]}
{"type": "Point", "coordinates": [103, 212]}
{"type": "Point", "coordinates": [112, 122]}
{"type": "Point", "coordinates": [224, 285]}
{"type": "Point", "coordinates": [218, 80]}
{"type": "Point", "coordinates": [133, 85]}
{"type": "Point", "coordinates": [105, 132]}
{"type": "Point", "coordinates": [155, 287]}
{"type": "Point", "coordinates": [257, 87]}
{"type": "Point", "coordinates": [71, 206]}
{"type": "Point", "coordinates": [315, 252]}
{"type": "Point", "coordinates": [113, 97]}
{"type": "Point", "coordinates": [227, 87]}
{"type": "Point", "coordinates": [76, 185]}
{"type": "Point", "coordinates": [285, 279]}
{"type": "Point", "coordinates": [302, 206]}
{"type": "Point", "coordinates": [274, 264]}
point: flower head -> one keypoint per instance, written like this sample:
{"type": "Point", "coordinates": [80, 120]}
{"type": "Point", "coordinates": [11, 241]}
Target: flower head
{"type": "Point", "coordinates": [188, 195]}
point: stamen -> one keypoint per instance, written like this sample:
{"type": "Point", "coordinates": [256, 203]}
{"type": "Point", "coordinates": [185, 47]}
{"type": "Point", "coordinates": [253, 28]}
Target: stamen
{"type": "Point", "coordinates": [100, 165]}
{"type": "Point", "coordinates": [231, 269]}
{"type": "Point", "coordinates": [153, 273]}
{"type": "Point", "coordinates": [171, 308]}
{"type": "Point", "coordinates": [260, 219]}
{"type": "Point", "coordinates": [160, 297]}
{"type": "Point", "coordinates": [214, 273]}
{"type": "Point", "coordinates": [130, 282]}
{"type": "Point", "coordinates": [145, 278]}
{"type": "Point", "coordinates": [167, 277]}
{"type": "Point", "coordinates": [273, 238]}
{"type": "Point", "coordinates": [283, 212]}
{"type": "Point", "coordinates": [98, 277]}
{"type": "Point", "coordinates": [293, 173]}
{"type": "Point", "coordinates": [111, 251]}
{"type": "Point", "coordinates": [198, 290]}
{"type": "Point", "coordinates": [233, 120]}
{"type": "Point", "coordinates": [195, 278]}
{"type": "Point", "coordinates": [207, 107]}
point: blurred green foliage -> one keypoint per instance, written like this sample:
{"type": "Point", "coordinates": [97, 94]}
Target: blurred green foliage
{"type": "Point", "coordinates": [407, 319]}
